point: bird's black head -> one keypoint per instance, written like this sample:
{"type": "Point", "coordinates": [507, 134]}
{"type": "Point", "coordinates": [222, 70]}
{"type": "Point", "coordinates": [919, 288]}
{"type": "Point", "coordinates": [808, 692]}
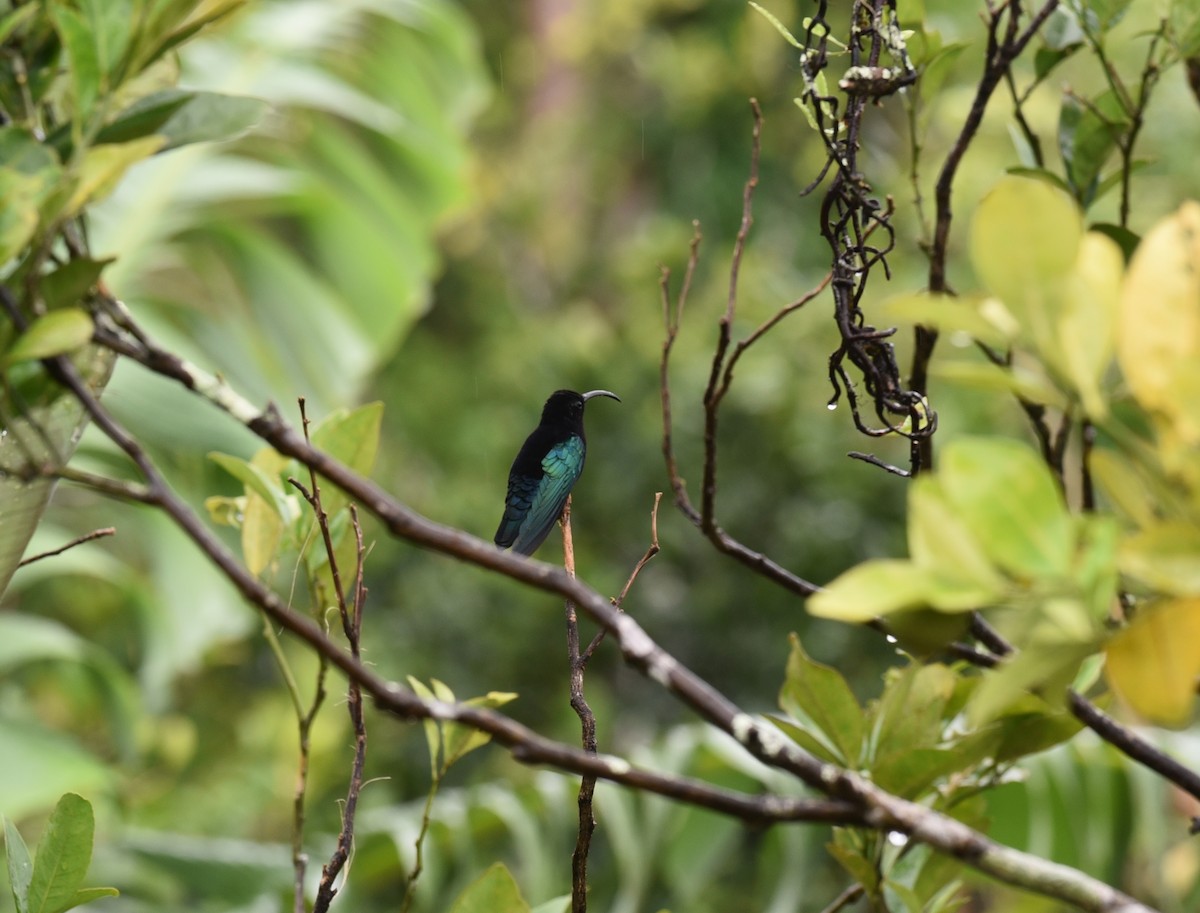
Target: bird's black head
{"type": "Point", "coordinates": [566, 406]}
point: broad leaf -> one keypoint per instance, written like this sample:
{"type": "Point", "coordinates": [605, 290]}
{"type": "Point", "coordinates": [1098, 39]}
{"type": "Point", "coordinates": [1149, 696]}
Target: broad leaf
{"type": "Point", "coordinates": [1087, 323]}
{"type": "Point", "coordinates": [103, 167]}
{"type": "Point", "coordinates": [1088, 131]}
{"type": "Point", "coordinates": [1007, 497]}
{"type": "Point", "coordinates": [20, 866]}
{"type": "Point", "coordinates": [1158, 340]}
{"type": "Point", "coordinates": [816, 693]}
{"type": "Point", "coordinates": [63, 856]}
{"type": "Point", "coordinates": [495, 891]}
{"type": "Point", "coordinates": [1154, 662]}
{"type": "Point", "coordinates": [1024, 239]}
{"type": "Point", "coordinates": [1166, 556]}
{"type": "Point", "coordinates": [54, 333]}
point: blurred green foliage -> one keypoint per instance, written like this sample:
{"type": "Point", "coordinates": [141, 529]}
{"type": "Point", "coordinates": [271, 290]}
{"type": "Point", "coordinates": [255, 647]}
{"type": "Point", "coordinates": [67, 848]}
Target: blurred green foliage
{"type": "Point", "coordinates": [456, 209]}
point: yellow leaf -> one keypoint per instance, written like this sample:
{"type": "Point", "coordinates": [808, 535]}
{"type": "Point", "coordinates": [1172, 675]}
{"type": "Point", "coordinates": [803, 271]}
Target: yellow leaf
{"type": "Point", "coordinates": [262, 532]}
{"type": "Point", "coordinates": [1087, 325]}
{"type": "Point", "coordinates": [1153, 663]}
{"type": "Point", "coordinates": [1158, 338]}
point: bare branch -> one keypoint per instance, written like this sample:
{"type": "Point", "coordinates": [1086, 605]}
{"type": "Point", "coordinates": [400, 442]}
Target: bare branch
{"type": "Point", "coordinates": [78, 540]}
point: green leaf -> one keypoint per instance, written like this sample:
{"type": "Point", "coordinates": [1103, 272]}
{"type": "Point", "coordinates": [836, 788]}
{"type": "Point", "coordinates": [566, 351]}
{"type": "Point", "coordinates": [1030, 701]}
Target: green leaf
{"type": "Point", "coordinates": [1062, 31]}
{"type": "Point", "coordinates": [938, 68]}
{"type": "Point", "coordinates": [15, 18]}
{"type": "Point", "coordinates": [109, 22]}
{"type": "Point", "coordinates": [145, 117]}
{"type": "Point", "coordinates": [817, 693]}
{"type": "Point", "coordinates": [351, 438]}
{"type": "Point", "coordinates": [495, 891]}
{"type": "Point", "coordinates": [804, 738]}
{"type": "Point", "coordinates": [76, 37]}
{"type": "Point", "coordinates": [1102, 15]}
{"type": "Point", "coordinates": [433, 729]}
{"type": "Point", "coordinates": [778, 26]}
{"type": "Point", "coordinates": [1088, 131]}
{"type": "Point", "coordinates": [22, 152]}
{"type": "Point", "coordinates": [202, 14]}
{"type": "Point", "coordinates": [53, 333]}
{"type": "Point", "coordinates": [909, 713]}
{"type": "Point", "coordinates": [87, 895]}
{"type": "Point", "coordinates": [211, 117]}
{"type": "Point", "coordinates": [1029, 726]}
{"type": "Point", "coordinates": [1005, 494]}
{"type": "Point", "coordinates": [461, 740]}
{"type": "Point", "coordinates": [20, 866]}
{"type": "Point", "coordinates": [69, 283]}
{"type": "Point", "coordinates": [1096, 565]}
{"type": "Point", "coordinates": [1048, 668]}
{"type": "Point", "coordinates": [63, 856]}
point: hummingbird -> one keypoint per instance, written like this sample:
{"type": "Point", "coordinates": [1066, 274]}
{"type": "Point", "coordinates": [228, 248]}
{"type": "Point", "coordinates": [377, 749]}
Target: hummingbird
{"type": "Point", "coordinates": [545, 471]}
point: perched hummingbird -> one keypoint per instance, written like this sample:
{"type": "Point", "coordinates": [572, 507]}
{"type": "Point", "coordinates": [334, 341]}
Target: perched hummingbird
{"type": "Point", "coordinates": [545, 471]}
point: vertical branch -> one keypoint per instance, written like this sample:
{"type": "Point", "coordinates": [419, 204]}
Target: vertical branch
{"type": "Point", "coordinates": [587, 723]}
{"type": "Point", "coordinates": [714, 391]}
{"type": "Point", "coordinates": [671, 322]}
{"type": "Point", "coordinates": [1003, 47]}
{"type": "Point", "coordinates": [352, 627]}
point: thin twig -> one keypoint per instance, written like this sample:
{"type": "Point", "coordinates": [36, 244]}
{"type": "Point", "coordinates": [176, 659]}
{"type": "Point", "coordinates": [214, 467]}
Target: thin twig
{"type": "Point", "coordinates": [619, 601]}
{"type": "Point", "coordinates": [78, 540]}
{"type": "Point", "coordinates": [587, 725]}
{"type": "Point", "coordinates": [704, 518]}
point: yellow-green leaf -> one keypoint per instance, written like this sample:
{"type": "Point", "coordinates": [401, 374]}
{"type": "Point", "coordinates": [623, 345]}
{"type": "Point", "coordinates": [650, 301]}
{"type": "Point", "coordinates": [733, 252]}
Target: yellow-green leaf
{"type": "Point", "coordinates": [1153, 664]}
{"type": "Point", "coordinates": [1087, 323]}
{"type": "Point", "coordinates": [262, 533]}
{"type": "Point", "coordinates": [1166, 556]}
{"type": "Point", "coordinates": [938, 539]}
{"type": "Point", "coordinates": [53, 333]}
{"type": "Point", "coordinates": [972, 315]}
{"type": "Point", "coordinates": [103, 167]}
{"type": "Point", "coordinates": [1005, 494]}
{"type": "Point", "coordinates": [352, 438]}
{"type": "Point", "coordinates": [1020, 381]}
{"type": "Point", "coordinates": [871, 589]}
{"type": "Point", "coordinates": [495, 891]}
{"type": "Point", "coordinates": [1024, 239]}
{"type": "Point", "coordinates": [1118, 477]}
